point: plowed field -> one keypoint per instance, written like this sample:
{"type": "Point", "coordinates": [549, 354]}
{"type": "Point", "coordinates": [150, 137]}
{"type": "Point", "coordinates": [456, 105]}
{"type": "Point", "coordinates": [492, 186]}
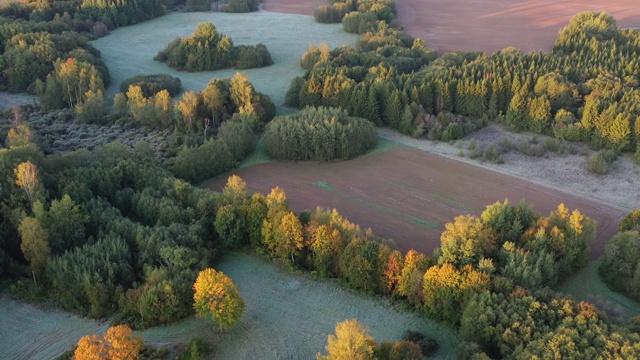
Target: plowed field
{"type": "Point", "coordinates": [409, 195]}
{"type": "Point", "coordinates": [486, 25]}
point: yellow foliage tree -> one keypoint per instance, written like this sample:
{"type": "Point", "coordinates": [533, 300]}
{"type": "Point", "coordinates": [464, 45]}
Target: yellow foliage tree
{"type": "Point", "coordinates": [217, 296]}
{"type": "Point", "coordinates": [117, 344]}
{"type": "Point", "coordinates": [34, 245]}
{"type": "Point", "coordinates": [351, 342]}
{"type": "Point", "coordinates": [27, 178]}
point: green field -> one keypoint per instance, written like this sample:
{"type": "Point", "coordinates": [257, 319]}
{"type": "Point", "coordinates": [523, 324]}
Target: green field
{"type": "Point", "coordinates": [129, 51]}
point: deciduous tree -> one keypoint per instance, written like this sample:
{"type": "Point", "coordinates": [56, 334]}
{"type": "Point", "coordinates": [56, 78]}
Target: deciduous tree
{"type": "Point", "coordinates": [216, 296]}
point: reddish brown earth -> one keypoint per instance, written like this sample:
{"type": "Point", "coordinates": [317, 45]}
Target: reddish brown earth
{"type": "Point", "coordinates": [486, 25]}
{"type": "Point", "coordinates": [299, 7]}
{"type": "Point", "coordinates": [491, 25]}
{"type": "Point", "coordinates": [408, 195]}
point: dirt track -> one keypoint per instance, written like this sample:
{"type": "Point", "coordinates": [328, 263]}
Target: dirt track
{"type": "Point", "coordinates": [486, 25]}
{"type": "Point", "coordinates": [408, 195]}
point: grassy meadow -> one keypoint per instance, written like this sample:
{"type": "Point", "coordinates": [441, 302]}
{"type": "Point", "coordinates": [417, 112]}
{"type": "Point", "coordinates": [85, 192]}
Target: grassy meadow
{"type": "Point", "coordinates": [286, 317]}
{"type": "Point", "coordinates": [129, 51]}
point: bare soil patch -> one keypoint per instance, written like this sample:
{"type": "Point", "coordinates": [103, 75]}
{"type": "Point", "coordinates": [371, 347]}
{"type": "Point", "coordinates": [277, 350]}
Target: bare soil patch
{"type": "Point", "coordinates": [293, 6]}
{"type": "Point", "coordinates": [491, 25]}
{"type": "Point", "coordinates": [408, 195]}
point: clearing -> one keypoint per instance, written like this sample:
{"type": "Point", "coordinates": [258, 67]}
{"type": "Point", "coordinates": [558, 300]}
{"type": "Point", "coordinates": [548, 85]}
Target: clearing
{"type": "Point", "coordinates": [129, 51]}
{"type": "Point", "coordinates": [286, 317]}
{"type": "Point", "coordinates": [7, 100]}
{"type": "Point", "coordinates": [486, 25]}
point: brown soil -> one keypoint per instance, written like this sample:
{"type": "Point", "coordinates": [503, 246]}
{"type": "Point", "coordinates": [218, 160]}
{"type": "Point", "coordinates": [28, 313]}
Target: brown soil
{"type": "Point", "coordinates": [408, 195]}
{"type": "Point", "coordinates": [485, 25]}
{"type": "Point", "coordinates": [491, 25]}
{"type": "Point", "coordinates": [293, 6]}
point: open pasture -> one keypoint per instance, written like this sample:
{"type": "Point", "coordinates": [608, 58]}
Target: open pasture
{"type": "Point", "coordinates": [130, 50]}
{"type": "Point", "coordinates": [409, 195]}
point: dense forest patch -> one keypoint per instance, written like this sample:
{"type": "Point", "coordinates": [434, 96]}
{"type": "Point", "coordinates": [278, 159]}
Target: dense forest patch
{"type": "Point", "coordinates": [206, 49]}
{"type": "Point", "coordinates": [320, 134]}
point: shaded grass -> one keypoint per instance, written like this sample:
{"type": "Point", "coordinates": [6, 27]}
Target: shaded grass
{"type": "Point", "coordinates": [380, 208]}
{"type": "Point", "coordinates": [587, 283]}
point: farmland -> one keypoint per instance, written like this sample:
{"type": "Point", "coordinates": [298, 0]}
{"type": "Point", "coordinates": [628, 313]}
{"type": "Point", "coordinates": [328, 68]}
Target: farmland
{"type": "Point", "coordinates": [488, 25]}
{"type": "Point", "coordinates": [408, 195]}
{"type": "Point", "coordinates": [287, 316]}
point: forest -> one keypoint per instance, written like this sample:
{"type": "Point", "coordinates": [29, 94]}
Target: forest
{"type": "Point", "coordinates": [122, 231]}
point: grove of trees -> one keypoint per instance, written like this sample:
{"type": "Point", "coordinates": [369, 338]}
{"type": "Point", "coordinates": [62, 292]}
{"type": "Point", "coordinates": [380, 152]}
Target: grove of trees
{"type": "Point", "coordinates": [586, 89]}
{"type": "Point", "coordinates": [206, 49]}
{"type": "Point", "coordinates": [320, 134]}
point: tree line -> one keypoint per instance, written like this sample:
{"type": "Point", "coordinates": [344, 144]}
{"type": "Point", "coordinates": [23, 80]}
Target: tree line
{"type": "Point", "coordinates": [490, 278]}
{"type": "Point", "coordinates": [586, 89]}
{"type": "Point", "coordinates": [206, 49]}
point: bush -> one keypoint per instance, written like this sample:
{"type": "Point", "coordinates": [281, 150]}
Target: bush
{"type": "Point", "coordinates": [320, 134]}
{"type": "Point", "coordinates": [428, 345]}
{"type": "Point", "coordinates": [631, 221]}
{"type": "Point", "coordinates": [250, 57]}
{"type": "Point", "coordinates": [241, 6]}
{"type": "Point", "coordinates": [199, 5]}
{"type": "Point", "coordinates": [153, 84]}
{"type": "Point", "coordinates": [597, 164]}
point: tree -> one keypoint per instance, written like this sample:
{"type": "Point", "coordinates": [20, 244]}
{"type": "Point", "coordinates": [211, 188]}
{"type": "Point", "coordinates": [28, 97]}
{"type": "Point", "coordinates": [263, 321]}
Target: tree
{"type": "Point", "coordinates": [217, 296]}
{"type": "Point", "coordinates": [27, 178]}
{"type": "Point", "coordinates": [188, 106]}
{"type": "Point", "coordinates": [465, 241]}
{"type": "Point", "coordinates": [116, 344]}
{"type": "Point", "coordinates": [34, 245]}
{"type": "Point", "coordinates": [351, 342]}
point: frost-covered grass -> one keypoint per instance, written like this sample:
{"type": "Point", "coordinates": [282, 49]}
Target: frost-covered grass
{"type": "Point", "coordinates": [587, 285]}
{"type": "Point", "coordinates": [129, 51]}
{"type": "Point", "coordinates": [286, 317]}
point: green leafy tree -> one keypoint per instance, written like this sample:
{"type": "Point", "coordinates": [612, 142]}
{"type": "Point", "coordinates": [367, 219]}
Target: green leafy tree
{"type": "Point", "coordinates": [34, 245]}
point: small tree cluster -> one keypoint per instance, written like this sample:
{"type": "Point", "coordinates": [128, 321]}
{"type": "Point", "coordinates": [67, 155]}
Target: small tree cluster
{"type": "Point", "coordinates": [353, 341]}
{"type": "Point", "coordinates": [321, 134]}
{"type": "Point", "coordinates": [153, 84]}
{"type": "Point", "coordinates": [206, 49]}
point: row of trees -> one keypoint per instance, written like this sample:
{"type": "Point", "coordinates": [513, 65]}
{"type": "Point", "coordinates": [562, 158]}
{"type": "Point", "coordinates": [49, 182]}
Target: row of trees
{"type": "Point", "coordinates": [206, 49]}
{"type": "Point", "coordinates": [585, 90]}
{"type": "Point", "coordinates": [320, 134]}
{"type": "Point", "coordinates": [487, 268]}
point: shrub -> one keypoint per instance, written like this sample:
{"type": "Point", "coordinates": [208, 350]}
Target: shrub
{"type": "Point", "coordinates": [250, 57]}
{"type": "Point", "coordinates": [631, 221]}
{"type": "Point", "coordinates": [199, 5]}
{"type": "Point", "coordinates": [153, 84]}
{"type": "Point", "coordinates": [597, 164]}
{"type": "Point", "coordinates": [241, 6]}
{"type": "Point", "coordinates": [320, 134]}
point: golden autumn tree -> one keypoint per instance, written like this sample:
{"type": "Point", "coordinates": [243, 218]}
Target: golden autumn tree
{"type": "Point", "coordinates": [217, 296]}
{"type": "Point", "coordinates": [351, 342]}
{"type": "Point", "coordinates": [34, 245]}
{"type": "Point", "coordinates": [27, 178]}
{"type": "Point", "coordinates": [117, 344]}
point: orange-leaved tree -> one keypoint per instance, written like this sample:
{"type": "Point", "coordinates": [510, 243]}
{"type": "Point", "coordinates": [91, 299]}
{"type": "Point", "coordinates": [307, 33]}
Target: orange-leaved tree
{"type": "Point", "coordinates": [116, 344]}
{"type": "Point", "coordinates": [217, 296]}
